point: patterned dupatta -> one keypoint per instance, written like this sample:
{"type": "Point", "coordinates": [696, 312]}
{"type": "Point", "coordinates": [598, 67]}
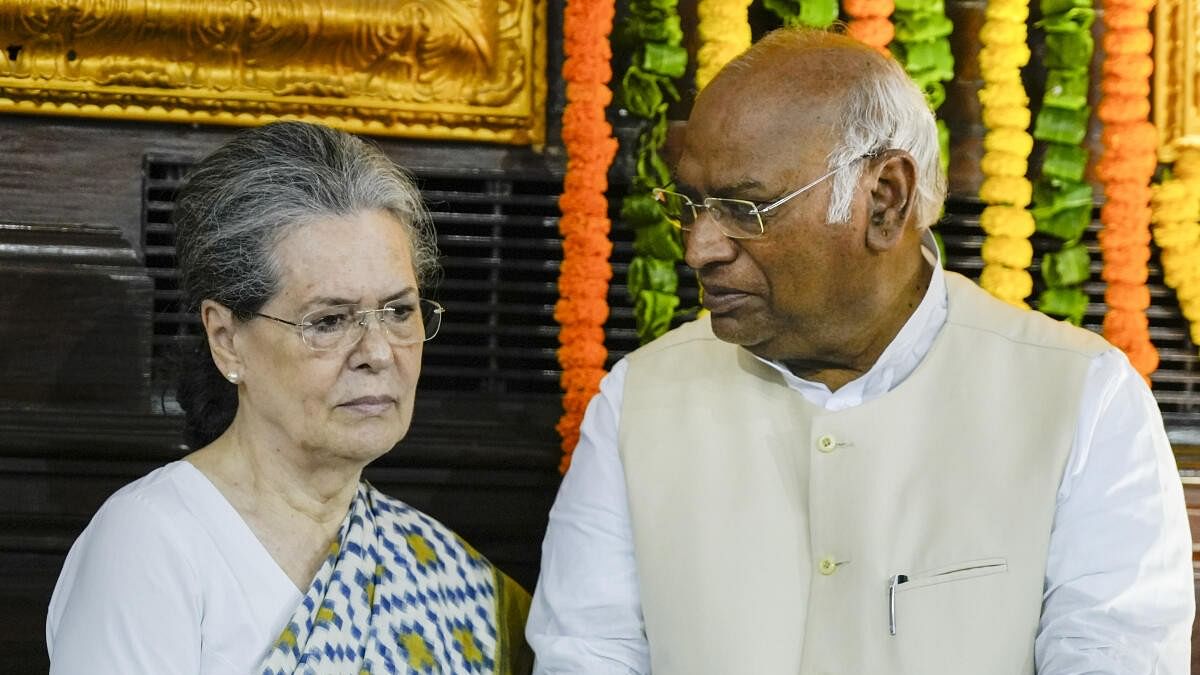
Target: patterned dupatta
{"type": "Point", "coordinates": [400, 593]}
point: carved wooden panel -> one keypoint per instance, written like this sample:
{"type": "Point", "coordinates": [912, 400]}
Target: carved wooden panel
{"type": "Point", "coordinates": [456, 69]}
{"type": "Point", "coordinates": [1176, 73]}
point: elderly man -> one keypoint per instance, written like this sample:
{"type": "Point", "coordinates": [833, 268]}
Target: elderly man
{"type": "Point", "coordinates": [856, 463]}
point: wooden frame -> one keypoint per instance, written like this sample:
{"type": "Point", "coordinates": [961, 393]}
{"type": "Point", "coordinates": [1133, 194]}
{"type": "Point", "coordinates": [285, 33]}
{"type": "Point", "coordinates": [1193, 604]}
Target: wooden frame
{"type": "Point", "coordinates": [436, 69]}
{"type": "Point", "coordinates": [1176, 68]}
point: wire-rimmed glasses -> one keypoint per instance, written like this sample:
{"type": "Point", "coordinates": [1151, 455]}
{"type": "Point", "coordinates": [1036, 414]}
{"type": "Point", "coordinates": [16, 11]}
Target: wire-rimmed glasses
{"type": "Point", "coordinates": [405, 322]}
{"type": "Point", "coordinates": [736, 218]}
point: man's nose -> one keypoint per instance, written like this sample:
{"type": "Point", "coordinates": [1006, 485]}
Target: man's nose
{"type": "Point", "coordinates": [704, 243]}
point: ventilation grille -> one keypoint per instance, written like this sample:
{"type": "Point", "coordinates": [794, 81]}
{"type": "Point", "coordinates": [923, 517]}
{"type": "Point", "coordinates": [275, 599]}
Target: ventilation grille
{"type": "Point", "coordinates": [501, 251]}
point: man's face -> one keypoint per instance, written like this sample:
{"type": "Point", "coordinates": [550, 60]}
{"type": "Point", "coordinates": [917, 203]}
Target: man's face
{"type": "Point", "coordinates": [788, 294]}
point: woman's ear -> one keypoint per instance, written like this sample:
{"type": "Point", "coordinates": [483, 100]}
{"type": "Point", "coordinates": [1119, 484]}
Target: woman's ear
{"type": "Point", "coordinates": [891, 199]}
{"type": "Point", "coordinates": [220, 327]}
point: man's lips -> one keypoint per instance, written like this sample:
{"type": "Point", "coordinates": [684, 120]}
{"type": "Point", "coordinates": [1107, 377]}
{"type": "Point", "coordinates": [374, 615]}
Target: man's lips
{"type": "Point", "coordinates": [369, 405]}
{"type": "Point", "coordinates": [723, 299]}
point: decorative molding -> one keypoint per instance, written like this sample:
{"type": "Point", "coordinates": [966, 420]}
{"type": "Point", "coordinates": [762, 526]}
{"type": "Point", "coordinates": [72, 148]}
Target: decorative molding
{"type": "Point", "coordinates": [435, 69]}
{"type": "Point", "coordinates": [1176, 69]}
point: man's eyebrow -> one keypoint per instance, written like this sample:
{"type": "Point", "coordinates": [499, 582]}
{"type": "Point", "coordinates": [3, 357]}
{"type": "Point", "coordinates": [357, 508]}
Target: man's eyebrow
{"type": "Point", "coordinates": [736, 190]}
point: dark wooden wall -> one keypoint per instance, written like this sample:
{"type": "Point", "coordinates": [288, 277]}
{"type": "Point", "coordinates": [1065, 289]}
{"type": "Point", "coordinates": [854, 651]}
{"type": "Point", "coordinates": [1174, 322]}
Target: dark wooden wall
{"type": "Point", "coordinates": [79, 413]}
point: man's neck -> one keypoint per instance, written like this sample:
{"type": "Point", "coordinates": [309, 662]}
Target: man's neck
{"type": "Point", "coordinates": [857, 355]}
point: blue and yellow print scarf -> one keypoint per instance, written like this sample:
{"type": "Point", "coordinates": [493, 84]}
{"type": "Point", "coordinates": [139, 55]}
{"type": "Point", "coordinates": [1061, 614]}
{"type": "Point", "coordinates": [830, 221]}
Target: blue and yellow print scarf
{"type": "Point", "coordinates": [400, 593]}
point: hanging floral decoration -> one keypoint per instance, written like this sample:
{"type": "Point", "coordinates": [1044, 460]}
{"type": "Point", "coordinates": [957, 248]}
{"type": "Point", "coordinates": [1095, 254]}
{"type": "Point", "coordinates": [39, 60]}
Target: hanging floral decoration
{"type": "Point", "coordinates": [582, 307]}
{"type": "Point", "coordinates": [647, 89]}
{"type": "Point", "coordinates": [811, 13]}
{"type": "Point", "coordinates": [1007, 252]}
{"type": "Point", "coordinates": [1125, 168]}
{"type": "Point", "coordinates": [1176, 216]}
{"type": "Point", "coordinates": [1062, 199]}
{"type": "Point", "coordinates": [870, 22]}
{"type": "Point", "coordinates": [922, 44]}
{"type": "Point", "coordinates": [724, 31]}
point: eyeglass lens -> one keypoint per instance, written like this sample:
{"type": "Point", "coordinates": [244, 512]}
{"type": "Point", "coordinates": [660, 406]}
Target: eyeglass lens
{"type": "Point", "coordinates": [405, 322]}
{"type": "Point", "coordinates": [736, 217]}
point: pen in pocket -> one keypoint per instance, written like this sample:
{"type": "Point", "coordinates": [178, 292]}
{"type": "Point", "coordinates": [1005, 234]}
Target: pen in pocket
{"type": "Point", "coordinates": [896, 581]}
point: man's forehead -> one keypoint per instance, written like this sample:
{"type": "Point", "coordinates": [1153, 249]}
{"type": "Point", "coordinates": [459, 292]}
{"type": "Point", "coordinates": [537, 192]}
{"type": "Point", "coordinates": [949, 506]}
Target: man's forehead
{"type": "Point", "coordinates": [730, 135]}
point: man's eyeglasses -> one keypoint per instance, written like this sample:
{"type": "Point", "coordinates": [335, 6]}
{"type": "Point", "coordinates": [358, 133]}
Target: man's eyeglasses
{"type": "Point", "coordinates": [737, 218]}
{"type": "Point", "coordinates": [405, 322]}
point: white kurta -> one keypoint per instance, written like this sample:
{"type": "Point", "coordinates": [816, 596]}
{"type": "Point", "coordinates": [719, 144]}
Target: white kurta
{"type": "Point", "coordinates": [167, 578]}
{"type": "Point", "coordinates": [1118, 594]}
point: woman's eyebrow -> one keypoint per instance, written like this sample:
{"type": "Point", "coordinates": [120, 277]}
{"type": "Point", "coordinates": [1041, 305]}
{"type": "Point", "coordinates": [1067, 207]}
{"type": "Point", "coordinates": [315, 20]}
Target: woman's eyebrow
{"type": "Point", "coordinates": [332, 300]}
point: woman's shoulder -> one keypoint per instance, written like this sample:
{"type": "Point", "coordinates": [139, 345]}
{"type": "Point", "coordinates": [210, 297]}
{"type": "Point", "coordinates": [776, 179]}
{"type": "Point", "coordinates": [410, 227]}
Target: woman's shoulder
{"type": "Point", "coordinates": [144, 520]}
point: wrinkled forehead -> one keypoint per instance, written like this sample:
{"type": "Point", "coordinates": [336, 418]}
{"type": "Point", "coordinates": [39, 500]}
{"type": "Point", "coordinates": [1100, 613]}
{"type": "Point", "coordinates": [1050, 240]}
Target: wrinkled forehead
{"type": "Point", "coordinates": [741, 127]}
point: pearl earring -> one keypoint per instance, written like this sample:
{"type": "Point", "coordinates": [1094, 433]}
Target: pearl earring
{"type": "Point", "coordinates": [233, 377]}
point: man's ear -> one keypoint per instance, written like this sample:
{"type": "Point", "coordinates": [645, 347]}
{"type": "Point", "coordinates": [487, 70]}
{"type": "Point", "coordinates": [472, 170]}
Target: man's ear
{"type": "Point", "coordinates": [220, 327]}
{"type": "Point", "coordinates": [892, 194]}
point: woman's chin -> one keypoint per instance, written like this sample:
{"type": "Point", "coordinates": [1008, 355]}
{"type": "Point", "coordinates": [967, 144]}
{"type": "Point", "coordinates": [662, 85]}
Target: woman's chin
{"type": "Point", "coordinates": [367, 440]}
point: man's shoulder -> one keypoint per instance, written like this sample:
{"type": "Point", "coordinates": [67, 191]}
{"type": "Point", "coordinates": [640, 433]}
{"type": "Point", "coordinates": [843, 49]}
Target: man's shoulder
{"type": "Point", "coordinates": [975, 310]}
{"type": "Point", "coordinates": [693, 334]}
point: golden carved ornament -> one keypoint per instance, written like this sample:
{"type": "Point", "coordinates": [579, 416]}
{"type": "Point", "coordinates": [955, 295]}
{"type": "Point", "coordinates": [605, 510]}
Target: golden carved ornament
{"type": "Point", "coordinates": [444, 69]}
{"type": "Point", "coordinates": [1176, 69]}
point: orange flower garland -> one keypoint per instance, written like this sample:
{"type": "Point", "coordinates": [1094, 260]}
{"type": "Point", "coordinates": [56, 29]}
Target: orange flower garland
{"type": "Point", "coordinates": [870, 23]}
{"type": "Point", "coordinates": [1125, 169]}
{"type": "Point", "coordinates": [583, 279]}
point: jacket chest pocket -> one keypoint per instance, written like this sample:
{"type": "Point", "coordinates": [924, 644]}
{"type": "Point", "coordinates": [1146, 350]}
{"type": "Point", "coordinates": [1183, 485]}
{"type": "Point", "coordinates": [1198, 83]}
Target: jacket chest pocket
{"type": "Point", "coordinates": [963, 617]}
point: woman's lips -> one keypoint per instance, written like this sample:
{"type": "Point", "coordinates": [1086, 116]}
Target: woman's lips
{"type": "Point", "coordinates": [370, 405]}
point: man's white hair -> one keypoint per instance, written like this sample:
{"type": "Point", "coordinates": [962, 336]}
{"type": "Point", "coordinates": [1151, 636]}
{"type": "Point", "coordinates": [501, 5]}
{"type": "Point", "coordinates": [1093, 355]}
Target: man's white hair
{"type": "Point", "coordinates": [882, 109]}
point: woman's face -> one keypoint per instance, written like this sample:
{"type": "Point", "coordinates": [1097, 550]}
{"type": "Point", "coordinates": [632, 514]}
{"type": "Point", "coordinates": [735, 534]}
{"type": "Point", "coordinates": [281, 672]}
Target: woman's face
{"type": "Point", "coordinates": [353, 403]}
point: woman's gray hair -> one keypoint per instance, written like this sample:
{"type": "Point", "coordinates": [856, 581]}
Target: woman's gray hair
{"type": "Point", "coordinates": [882, 109]}
{"type": "Point", "coordinates": [263, 184]}
{"type": "Point", "coordinates": [241, 200]}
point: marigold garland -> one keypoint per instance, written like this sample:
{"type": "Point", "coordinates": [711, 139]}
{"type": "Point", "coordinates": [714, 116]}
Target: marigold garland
{"type": "Point", "coordinates": [1125, 168]}
{"type": "Point", "coordinates": [1007, 145]}
{"type": "Point", "coordinates": [1176, 216]}
{"type": "Point", "coordinates": [583, 279]}
{"type": "Point", "coordinates": [870, 22]}
{"type": "Point", "coordinates": [724, 31]}
{"type": "Point", "coordinates": [1062, 198]}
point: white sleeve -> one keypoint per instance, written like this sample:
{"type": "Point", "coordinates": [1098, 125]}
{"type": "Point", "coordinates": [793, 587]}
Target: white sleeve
{"type": "Point", "coordinates": [1119, 595]}
{"type": "Point", "coordinates": [127, 601]}
{"type": "Point", "coordinates": [586, 616]}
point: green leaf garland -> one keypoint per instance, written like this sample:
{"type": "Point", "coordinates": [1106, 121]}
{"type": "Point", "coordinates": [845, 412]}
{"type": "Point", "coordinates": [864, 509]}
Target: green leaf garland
{"type": "Point", "coordinates": [811, 13]}
{"type": "Point", "coordinates": [1062, 201]}
{"type": "Point", "coordinates": [647, 90]}
{"type": "Point", "coordinates": [922, 44]}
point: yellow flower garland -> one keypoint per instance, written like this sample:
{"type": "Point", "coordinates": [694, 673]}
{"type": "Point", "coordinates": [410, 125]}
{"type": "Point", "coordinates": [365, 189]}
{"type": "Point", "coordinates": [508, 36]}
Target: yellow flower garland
{"type": "Point", "coordinates": [1007, 252]}
{"type": "Point", "coordinates": [724, 31]}
{"type": "Point", "coordinates": [1176, 218]}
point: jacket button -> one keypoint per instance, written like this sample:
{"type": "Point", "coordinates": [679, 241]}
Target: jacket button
{"type": "Point", "coordinates": [826, 443]}
{"type": "Point", "coordinates": [828, 566]}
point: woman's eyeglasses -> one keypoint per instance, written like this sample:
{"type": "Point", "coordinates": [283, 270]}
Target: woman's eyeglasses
{"type": "Point", "coordinates": [405, 322]}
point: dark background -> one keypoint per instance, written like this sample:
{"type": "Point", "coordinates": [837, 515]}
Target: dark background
{"type": "Point", "coordinates": [90, 321]}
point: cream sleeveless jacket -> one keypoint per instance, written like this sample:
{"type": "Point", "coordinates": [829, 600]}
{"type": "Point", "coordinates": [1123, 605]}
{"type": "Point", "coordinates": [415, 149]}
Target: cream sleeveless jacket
{"type": "Point", "coordinates": [774, 537]}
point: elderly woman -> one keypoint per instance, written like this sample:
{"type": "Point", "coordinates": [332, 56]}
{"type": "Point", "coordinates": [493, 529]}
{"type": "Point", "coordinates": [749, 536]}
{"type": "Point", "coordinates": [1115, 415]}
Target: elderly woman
{"type": "Point", "coordinates": [263, 551]}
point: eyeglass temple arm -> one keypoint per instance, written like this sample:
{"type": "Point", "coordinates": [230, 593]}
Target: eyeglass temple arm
{"type": "Point", "coordinates": [783, 200]}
